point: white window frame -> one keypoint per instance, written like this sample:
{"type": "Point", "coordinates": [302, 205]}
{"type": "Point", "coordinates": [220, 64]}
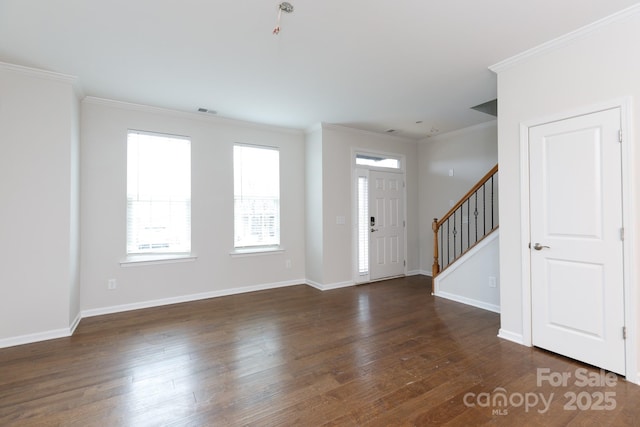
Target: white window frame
{"type": "Point", "coordinates": [377, 156]}
{"type": "Point", "coordinates": [154, 256]}
{"type": "Point", "coordinates": [256, 248]}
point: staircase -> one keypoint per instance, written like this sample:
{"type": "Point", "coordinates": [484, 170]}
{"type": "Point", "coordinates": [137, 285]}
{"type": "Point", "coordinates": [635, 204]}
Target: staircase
{"type": "Point", "coordinates": [468, 222]}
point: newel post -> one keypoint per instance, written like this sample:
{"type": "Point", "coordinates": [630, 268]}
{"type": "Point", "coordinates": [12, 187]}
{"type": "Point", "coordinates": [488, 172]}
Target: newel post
{"type": "Point", "coordinates": [435, 269]}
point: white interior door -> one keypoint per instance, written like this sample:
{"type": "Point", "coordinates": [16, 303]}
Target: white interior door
{"type": "Point", "coordinates": [577, 289]}
{"type": "Point", "coordinates": [386, 212]}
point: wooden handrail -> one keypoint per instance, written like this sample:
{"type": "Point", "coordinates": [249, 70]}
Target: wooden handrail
{"type": "Point", "coordinates": [435, 268]}
{"type": "Point", "coordinates": [469, 193]}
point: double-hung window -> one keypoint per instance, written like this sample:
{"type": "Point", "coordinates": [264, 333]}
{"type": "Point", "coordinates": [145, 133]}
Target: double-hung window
{"type": "Point", "coordinates": [158, 194]}
{"type": "Point", "coordinates": [256, 179]}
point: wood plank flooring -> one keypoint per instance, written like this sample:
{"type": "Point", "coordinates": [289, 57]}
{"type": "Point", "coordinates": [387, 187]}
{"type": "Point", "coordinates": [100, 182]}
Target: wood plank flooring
{"type": "Point", "coordinates": [382, 354]}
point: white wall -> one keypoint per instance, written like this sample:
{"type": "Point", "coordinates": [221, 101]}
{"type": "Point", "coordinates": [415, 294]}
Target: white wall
{"type": "Point", "coordinates": [74, 209]}
{"type": "Point", "coordinates": [597, 67]}
{"type": "Point", "coordinates": [38, 219]}
{"type": "Point", "coordinates": [468, 280]}
{"type": "Point", "coordinates": [337, 145]}
{"type": "Point", "coordinates": [313, 195]}
{"type": "Point", "coordinates": [471, 153]}
{"type": "Point", "coordinates": [103, 208]}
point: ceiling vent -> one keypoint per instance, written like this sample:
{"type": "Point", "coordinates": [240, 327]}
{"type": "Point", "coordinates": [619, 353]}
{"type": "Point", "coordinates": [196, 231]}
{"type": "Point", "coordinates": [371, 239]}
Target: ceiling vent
{"type": "Point", "coordinates": [489, 107]}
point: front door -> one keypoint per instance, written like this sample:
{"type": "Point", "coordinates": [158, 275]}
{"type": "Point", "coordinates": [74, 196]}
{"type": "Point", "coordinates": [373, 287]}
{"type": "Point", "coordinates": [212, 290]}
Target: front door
{"type": "Point", "coordinates": [577, 289]}
{"type": "Point", "coordinates": [386, 226]}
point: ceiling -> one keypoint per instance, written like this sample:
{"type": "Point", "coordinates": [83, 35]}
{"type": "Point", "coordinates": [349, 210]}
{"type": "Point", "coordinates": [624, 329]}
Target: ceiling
{"type": "Point", "coordinates": [416, 66]}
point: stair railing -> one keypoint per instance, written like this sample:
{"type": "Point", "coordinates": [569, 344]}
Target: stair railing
{"type": "Point", "coordinates": [456, 233]}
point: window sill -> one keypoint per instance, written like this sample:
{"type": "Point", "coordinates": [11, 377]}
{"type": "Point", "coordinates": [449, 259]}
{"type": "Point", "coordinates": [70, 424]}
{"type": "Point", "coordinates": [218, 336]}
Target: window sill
{"type": "Point", "coordinates": [136, 260]}
{"type": "Point", "coordinates": [255, 251]}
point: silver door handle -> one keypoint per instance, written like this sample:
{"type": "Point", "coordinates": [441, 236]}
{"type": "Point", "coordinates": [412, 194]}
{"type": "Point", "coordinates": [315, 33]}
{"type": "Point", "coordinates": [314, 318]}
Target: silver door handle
{"type": "Point", "coordinates": [539, 247]}
{"type": "Point", "coordinates": [373, 229]}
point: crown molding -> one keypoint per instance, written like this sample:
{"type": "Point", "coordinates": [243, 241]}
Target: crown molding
{"type": "Point", "coordinates": [565, 39]}
{"type": "Point", "coordinates": [458, 132]}
{"type": "Point", "coordinates": [342, 128]}
{"type": "Point", "coordinates": [35, 72]}
{"type": "Point", "coordinates": [123, 105]}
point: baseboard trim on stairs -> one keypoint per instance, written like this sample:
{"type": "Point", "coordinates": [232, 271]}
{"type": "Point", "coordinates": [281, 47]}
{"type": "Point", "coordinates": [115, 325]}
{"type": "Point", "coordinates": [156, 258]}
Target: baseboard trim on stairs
{"type": "Point", "coordinates": [464, 300]}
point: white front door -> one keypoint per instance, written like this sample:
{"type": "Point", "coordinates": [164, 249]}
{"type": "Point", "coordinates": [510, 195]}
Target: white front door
{"type": "Point", "coordinates": [386, 226]}
{"type": "Point", "coordinates": [577, 289]}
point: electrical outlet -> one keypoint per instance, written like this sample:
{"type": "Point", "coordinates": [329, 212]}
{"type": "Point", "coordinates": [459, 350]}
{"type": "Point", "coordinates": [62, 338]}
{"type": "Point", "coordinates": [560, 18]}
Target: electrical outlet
{"type": "Point", "coordinates": [287, 264]}
{"type": "Point", "coordinates": [112, 284]}
{"type": "Point", "coordinates": [492, 282]}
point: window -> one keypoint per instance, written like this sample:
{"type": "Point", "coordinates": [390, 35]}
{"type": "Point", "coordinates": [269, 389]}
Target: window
{"type": "Point", "coordinates": [256, 183]}
{"type": "Point", "coordinates": [377, 161]}
{"type": "Point", "coordinates": [158, 194]}
{"type": "Point", "coordinates": [363, 225]}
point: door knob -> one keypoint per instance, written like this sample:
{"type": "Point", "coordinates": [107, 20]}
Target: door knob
{"type": "Point", "coordinates": [539, 247]}
{"type": "Point", "coordinates": [373, 229]}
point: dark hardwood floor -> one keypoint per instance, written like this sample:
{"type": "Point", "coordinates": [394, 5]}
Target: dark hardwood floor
{"type": "Point", "coordinates": [382, 354]}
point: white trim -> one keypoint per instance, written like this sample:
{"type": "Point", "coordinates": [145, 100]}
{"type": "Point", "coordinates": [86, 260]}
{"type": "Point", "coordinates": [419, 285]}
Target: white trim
{"type": "Point", "coordinates": [628, 210]}
{"type": "Point", "coordinates": [330, 126]}
{"type": "Point", "coordinates": [364, 170]}
{"type": "Point", "coordinates": [67, 332]}
{"type": "Point", "coordinates": [330, 286]}
{"type": "Point", "coordinates": [139, 260]}
{"type": "Point", "coordinates": [188, 298]}
{"type": "Point", "coordinates": [366, 151]}
{"type": "Point", "coordinates": [466, 257]}
{"type": "Point", "coordinates": [458, 132]}
{"type": "Point", "coordinates": [418, 273]}
{"type": "Point", "coordinates": [525, 254]}
{"type": "Point", "coordinates": [468, 301]}
{"type": "Point", "coordinates": [356, 173]}
{"type": "Point", "coordinates": [75, 323]}
{"type": "Point", "coordinates": [42, 74]}
{"type": "Point", "coordinates": [361, 279]}
{"type": "Point", "coordinates": [42, 336]}
{"type": "Point", "coordinates": [256, 251]}
{"type": "Point", "coordinates": [565, 39]}
{"type": "Point", "coordinates": [511, 336]}
{"type": "Point", "coordinates": [629, 207]}
{"type": "Point", "coordinates": [36, 337]}
{"type": "Point", "coordinates": [187, 115]}
{"type": "Point", "coordinates": [458, 263]}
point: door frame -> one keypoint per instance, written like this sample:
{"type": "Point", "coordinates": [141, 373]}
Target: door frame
{"type": "Point", "coordinates": [355, 168]}
{"type": "Point", "coordinates": [628, 210]}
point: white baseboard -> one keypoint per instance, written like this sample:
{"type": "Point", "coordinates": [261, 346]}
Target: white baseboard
{"type": "Point", "coordinates": [511, 336]}
{"type": "Point", "coordinates": [187, 298]}
{"type": "Point", "coordinates": [418, 273]}
{"type": "Point", "coordinates": [67, 332]}
{"type": "Point", "coordinates": [330, 286]}
{"type": "Point", "coordinates": [464, 300]}
{"type": "Point", "coordinates": [37, 337]}
{"type": "Point", "coordinates": [75, 323]}
{"type": "Point", "coordinates": [41, 336]}
{"type": "Point", "coordinates": [470, 254]}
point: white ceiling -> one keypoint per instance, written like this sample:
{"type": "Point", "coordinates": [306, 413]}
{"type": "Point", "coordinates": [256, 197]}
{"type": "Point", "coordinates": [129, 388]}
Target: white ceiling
{"type": "Point", "coordinates": [367, 64]}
